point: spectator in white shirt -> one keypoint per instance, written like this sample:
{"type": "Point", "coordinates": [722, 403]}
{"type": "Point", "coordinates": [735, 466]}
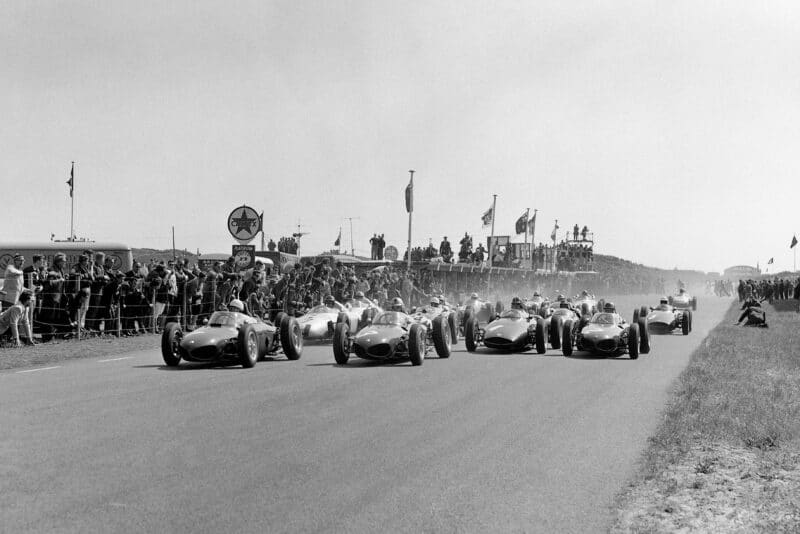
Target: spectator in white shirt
{"type": "Point", "coordinates": [16, 316]}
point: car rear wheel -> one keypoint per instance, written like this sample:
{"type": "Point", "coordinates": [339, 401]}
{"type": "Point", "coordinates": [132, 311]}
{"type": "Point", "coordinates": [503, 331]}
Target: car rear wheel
{"type": "Point", "coordinates": [291, 338]}
{"type": "Point", "coordinates": [541, 335]}
{"type": "Point", "coordinates": [471, 334]}
{"type": "Point", "coordinates": [555, 332]}
{"type": "Point", "coordinates": [566, 338]}
{"type": "Point", "coordinates": [694, 303]}
{"type": "Point", "coordinates": [498, 308]}
{"type": "Point", "coordinates": [341, 344]}
{"type": "Point", "coordinates": [636, 314]}
{"type": "Point", "coordinates": [686, 321]}
{"type": "Point", "coordinates": [441, 337]}
{"type": "Point", "coordinates": [633, 341]}
{"type": "Point", "coordinates": [170, 344]}
{"type": "Point", "coordinates": [248, 346]}
{"type": "Point", "coordinates": [585, 308]}
{"type": "Point", "coordinates": [644, 336]}
{"type": "Point", "coordinates": [416, 344]}
{"type": "Point", "coordinates": [452, 323]}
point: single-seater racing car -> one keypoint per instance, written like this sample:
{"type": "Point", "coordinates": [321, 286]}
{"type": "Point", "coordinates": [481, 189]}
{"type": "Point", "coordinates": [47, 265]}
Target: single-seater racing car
{"type": "Point", "coordinates": [664, 319]}
{"type": "Point", "coordinates": [606, 334]}
{"type": "Point", "coordinates": [231, 337]}
{"type": "Point", "coordinates": [319, 322]}
{"type": "Point", "coordinates": [514, 330]}
{"type": "Point", "coordinates": [393, 336]}
{"type": "Point", "coordinates": [683, 300]}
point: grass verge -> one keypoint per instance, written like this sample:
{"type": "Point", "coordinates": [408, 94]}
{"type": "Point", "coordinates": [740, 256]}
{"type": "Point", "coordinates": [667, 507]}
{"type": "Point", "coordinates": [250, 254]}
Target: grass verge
{"type": "Point", "coordinates": [727, 456]}
{"type": "Point", "coordinates": [61, 350]}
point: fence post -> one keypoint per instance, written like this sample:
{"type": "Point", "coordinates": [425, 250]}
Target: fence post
{"type": "Point", "coordinates": [183, 309]}
{"type": "Point", "coordinates": [119, 319]}
{"type": "Point", "coordinates": [153, 313]}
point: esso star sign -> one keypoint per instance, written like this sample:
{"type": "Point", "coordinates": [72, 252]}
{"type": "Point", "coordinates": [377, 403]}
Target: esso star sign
{"type": "Point", "coordinates": [243, 224]}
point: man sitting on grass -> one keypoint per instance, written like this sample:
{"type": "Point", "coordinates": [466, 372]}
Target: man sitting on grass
{"type": "Point", "coordinates": [13, 317]}
{"type": "Point", "coordinates": [753, 315]}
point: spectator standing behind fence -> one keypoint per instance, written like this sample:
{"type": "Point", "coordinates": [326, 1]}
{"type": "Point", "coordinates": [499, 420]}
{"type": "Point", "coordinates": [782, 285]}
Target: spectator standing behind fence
{"type": "Point", "coordinates": [83, 274]}
{"type": "Point", "coordinates": [14, 282]}
{"type": "Point", "coordinates": [16, 316]}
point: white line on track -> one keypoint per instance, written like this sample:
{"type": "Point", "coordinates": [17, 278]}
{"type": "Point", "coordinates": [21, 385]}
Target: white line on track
{"type": "Point", "coordinates": [39, 369]}
{"type": "Point", "coordinates": [115, 359]}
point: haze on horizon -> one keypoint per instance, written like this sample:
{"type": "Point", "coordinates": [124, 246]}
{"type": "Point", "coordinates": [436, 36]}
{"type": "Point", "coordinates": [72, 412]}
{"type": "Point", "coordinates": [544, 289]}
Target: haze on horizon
{"type": "Point", "coordinates": [669, 128]}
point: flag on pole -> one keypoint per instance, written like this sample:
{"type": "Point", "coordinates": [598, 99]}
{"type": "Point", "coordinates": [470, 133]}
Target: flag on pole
{"type": "Point", "coordinates": [261, 222]}
{"type": "Point", "coordinates": [410, 195]}
{"type": "Point", "coordinates": [71, 180]}
{"type": "Point", "coordinates": [771, 261]}
{"type": "Point", "coordinates": [521, 223]}
{"type": "Point", "coordinates": [338, 239]}
{"type": "Point", "coordinates": [532, 223]}
{"type": "Point", "coordinates": [794, 242]}
{"type": "Point", "coordinates": [487, 217]}
{"type": "Point", "coordinates": [553, 233]}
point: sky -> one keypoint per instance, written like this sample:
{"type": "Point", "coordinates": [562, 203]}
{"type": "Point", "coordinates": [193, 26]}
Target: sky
{"type": "Point", "coordinates": [671, 129]}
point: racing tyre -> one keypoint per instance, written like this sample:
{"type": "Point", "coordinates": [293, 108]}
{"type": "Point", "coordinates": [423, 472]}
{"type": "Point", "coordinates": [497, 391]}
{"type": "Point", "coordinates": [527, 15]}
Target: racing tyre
{"type": "Point", "coordinates": [633, 341]}
{"type": "Point", "coordinates": [636, 314]}
{"type": "Point", "coordinates": [583, 321]}
{"type": "Point", "coordinates": [600, 305]}
{"type": "Point", "coordinates": [644, 336]}
{"type": "Point", "coordinates": [416, 344]}
{"type": "Point", "coordinates": [585, 308]}
{"type": "Point", "coordinates": [343, 318]}
{"type": "Point", "coordinates": [645, 311]}
{"type": "Point", "coordinates": [471, 334]}
{"type": "Point", "coordinates": [291, 338]}
{"type": "Point", "coordinates": [278, 318]}
{"type": "Point", "coordinates": [248, 346]}
{"type": "Point", "coordinates": [694, 303]}
{"type": "Point", "coordinates": [566, 338]}
{"type": "Point", "coordinates": [555, 332]}
{"type": "Point", "coordinates": [452, 323]}
{"type": "Point", "coordinates": [170, 344]}
{"type": "Point", "coordinates": [541, 335]}
{"type": "Point", "coordinates": [465, 318]}
{"type": "Point", "coordinates": [441, 337]}
{"type": "Point", "coordinates": [341, 345]}
{"type": "Point", "coordinates": [685, 322]}
{"type": "Point", "coordinates": [498, 308]}
{"type": "Point", "coordinates": [533, 309]}
{"type": "Point", "coordinates": [691, 321]}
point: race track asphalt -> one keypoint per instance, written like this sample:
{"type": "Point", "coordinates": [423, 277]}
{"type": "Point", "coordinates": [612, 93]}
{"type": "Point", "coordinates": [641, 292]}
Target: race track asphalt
{"type": "Point", "coordinates": [481, 442]}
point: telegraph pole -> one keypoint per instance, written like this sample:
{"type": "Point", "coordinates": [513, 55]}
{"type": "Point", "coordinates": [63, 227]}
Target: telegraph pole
{"type": "Point", "coordinates": [409, 224]}
{"type": "Point", "coordinates": [491, 239]}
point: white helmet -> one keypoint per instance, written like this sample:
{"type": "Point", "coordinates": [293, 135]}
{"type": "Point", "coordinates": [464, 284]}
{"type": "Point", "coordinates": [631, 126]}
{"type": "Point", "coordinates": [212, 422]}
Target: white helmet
{"type": "Point", "coordinates": [236, 305]}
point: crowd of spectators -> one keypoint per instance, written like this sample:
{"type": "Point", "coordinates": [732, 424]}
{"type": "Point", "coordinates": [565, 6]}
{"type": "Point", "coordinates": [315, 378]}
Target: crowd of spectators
{"type": "Point", "coordinates": [768, 289]}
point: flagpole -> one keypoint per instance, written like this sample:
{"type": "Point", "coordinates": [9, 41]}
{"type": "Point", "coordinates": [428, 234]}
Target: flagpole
{"type": "Point", "coordinates": [533, 234]}
{"type": "Point", "coordinates": [72, 203]}
{"type": "Point", "coordinates": [408, 265]}
{"type": "Point", "coordinates": [491, 239]}
{"type": "Point", "coordinates": [527, 220]}
{"type": "Point", "coordinates": [555, 253]}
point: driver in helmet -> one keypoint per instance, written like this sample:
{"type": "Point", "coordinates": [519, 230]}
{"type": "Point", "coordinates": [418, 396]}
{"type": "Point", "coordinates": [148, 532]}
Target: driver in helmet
{"type": "Point", "coordinates": [609, 307]}
{"type": "Point", "coordinates": [398, 305]}
{"type": "Point", "coordinates": [362, 299]}
{"type": "Point", "coordinates": [330, 302]}
{"type": "Point", "coordinates": [236, 305]}
{"type": "Point", "coordinates": [663, 304]}
{"type": "Point", "coordinates": [516, 304]}
{"type": "Point", "coordinates": [435, 302]}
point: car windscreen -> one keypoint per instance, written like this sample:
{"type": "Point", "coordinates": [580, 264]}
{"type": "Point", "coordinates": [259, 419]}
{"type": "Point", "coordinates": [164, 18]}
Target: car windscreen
{"type": "Point", "coordinates": [321, 309]}
{"type": "Point", "coordinates": [223, 318]}
{"type": "Point", "coordinates": [604, 318]}
{"type": "Point", "coordinates": [513, 314]}
{"type": "Point", "coordinates": [390, 317]}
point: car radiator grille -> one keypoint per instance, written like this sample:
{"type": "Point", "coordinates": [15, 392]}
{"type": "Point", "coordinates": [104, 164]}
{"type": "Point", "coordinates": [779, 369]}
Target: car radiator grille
{"type": "Point", "coordinates": [381, 350]}
{"type": "Point", "coordinates": [607, 345]}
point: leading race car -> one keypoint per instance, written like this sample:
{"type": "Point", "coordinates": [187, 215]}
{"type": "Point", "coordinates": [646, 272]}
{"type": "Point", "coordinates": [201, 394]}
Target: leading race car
{"type": "Point", "coordinates": [515, 330]}
{"type": "Point", "coordinates": [607, 334]}
{"type": "Point", "coordinates": [683, 300]}
{"type": "Point", "coordinates": [664, 319]}
{"type": "Point", "coordinates": [231, 338]}
{"type": "Point", "coordinates": [393, 336]}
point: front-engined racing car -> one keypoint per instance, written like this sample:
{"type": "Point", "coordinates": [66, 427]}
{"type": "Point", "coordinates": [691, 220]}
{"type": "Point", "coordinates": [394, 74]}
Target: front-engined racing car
{"type": "Point", "coordinates": [319, 322]}
{"type": "Point", "coordinates": [231, 338]}
{"type": "Point", "coordinates": [606, 334]}
{"type": "Point", "coordinates": [393, 336]}
{"type": "Point", "coordinates": [683, 300]}
{"type": "Point", "coordinates": [514, 330]}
